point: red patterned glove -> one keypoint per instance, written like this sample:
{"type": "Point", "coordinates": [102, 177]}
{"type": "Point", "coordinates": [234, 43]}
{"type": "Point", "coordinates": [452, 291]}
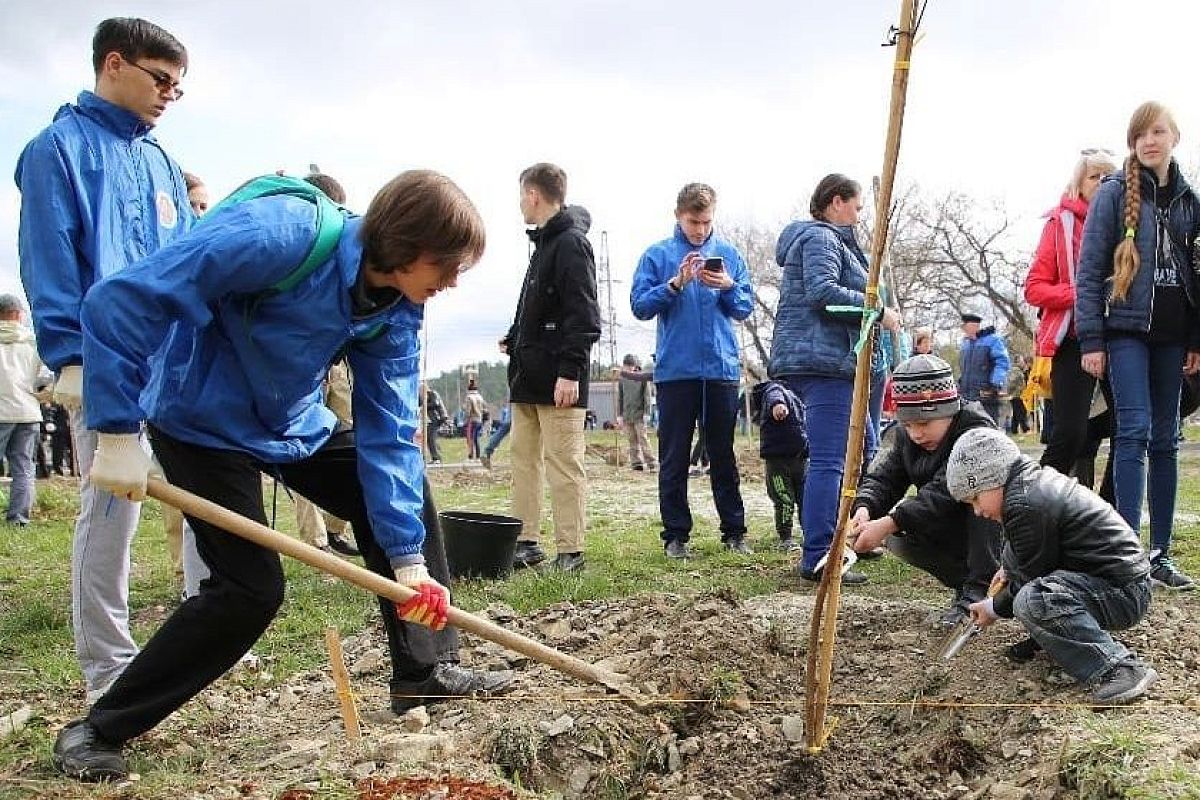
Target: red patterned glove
{"type": "Point", "coordinates": [432, 602]}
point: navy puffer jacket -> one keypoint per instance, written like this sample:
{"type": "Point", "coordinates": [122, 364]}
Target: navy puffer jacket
{"type": "Point", "coordinates": [1095, 312]}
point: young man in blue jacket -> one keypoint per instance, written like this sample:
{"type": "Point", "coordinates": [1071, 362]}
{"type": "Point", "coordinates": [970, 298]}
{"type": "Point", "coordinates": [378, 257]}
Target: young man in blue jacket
{"type": "Point", "coordinates": [697, 285]}
{"type": "Point", "coordinates": [98, 193]}
{"type": "Point", "coordinates": [235, 392]}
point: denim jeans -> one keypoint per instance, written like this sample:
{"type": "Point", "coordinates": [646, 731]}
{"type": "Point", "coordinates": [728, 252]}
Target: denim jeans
{"type": "Point", "coordinates": [17, 442]}
{"type": "Point", "coordinates": [713, 404]}
{"type": "Point", "coordinates": [498, 433]}
{"type": "Point", "coordinates": [827, 410]}
{"type": "Point", "coordinates": [1145, 382]}
{"type": "Point", "coordinates": [1070, 614]}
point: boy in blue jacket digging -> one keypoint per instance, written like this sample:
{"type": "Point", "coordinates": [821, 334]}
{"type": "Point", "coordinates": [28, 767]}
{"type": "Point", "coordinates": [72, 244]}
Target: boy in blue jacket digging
{"type": "Point", "coordinates": [1075, 570]}
{"type": "Point", "coordinates": [243, 340]}
{"type": "Point", "coordinates": [783, 445]}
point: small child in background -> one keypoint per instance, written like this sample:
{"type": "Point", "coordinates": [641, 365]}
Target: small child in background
{"type": "Point", "coordinates": [784, 450]}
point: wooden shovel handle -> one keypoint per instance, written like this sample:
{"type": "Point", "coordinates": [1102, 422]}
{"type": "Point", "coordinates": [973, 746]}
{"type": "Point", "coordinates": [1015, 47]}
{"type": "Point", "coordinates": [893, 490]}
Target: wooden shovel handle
{"type": "Point", "coordinates": [271, 539]}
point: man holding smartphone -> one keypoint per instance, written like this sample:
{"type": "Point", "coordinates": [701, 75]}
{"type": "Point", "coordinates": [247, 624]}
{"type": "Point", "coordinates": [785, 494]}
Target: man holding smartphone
{"type": "Point", "coordinates": [697, 285]}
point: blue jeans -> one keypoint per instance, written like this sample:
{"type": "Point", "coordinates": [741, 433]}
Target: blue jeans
{"type": "Point", "coordinates": [1070, 614]}
{"type": "Point", "coordinates": [498, 433]}
{"type": "Point", "coordinates": [827, 410]}
{"type": "Point", "coordinates": [875, 413]}
{"type": "Point", "coordinates": [1145, 382]}
{"type": "Point", "coordinates": [681, 404]}
{"type": "Point", "coordinates": [17, 442]}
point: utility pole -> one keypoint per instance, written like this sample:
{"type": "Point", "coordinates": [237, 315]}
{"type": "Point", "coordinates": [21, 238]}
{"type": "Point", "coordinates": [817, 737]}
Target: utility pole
{"type": "Point", "coordinates": [606, 266]}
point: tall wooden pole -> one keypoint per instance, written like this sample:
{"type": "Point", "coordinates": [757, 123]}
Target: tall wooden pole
{"type": "Point", "coordinates": [825, 609]}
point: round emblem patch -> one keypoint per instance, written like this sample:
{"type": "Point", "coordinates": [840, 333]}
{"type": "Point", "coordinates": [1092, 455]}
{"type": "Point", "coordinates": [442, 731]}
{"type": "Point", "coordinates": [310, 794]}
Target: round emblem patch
{"type": "Point", "coordinates": [168, 215]}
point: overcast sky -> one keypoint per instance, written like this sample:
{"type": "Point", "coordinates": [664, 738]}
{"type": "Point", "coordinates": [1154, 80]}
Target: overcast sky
{"type": "Point", "coordinates": [632, 98]}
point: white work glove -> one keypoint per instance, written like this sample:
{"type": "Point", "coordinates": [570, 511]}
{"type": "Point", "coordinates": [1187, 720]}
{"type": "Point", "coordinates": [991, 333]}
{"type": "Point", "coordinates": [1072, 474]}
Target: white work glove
{"type": "Point", "coordinates": [121, 465]}
{"type": "Point", "coordinates": [68, 389]}
{"type": "Point", "coordinates": [432, 601]}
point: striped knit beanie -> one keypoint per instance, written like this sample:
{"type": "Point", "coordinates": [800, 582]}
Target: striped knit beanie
{"type": "Point", "coordinates": [923, 388]}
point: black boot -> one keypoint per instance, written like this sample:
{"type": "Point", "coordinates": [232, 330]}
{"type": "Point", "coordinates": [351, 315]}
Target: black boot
{"type": "Point", "coordinates": [80, 752]}
{"type": "Point", "coordinates": [528, 554]}
{"type": "Point", "coordinates": [449, 681]}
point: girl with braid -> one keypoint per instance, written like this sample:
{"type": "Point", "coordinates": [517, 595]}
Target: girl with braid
{"type": "Point", "coordinates": [1136, 303]}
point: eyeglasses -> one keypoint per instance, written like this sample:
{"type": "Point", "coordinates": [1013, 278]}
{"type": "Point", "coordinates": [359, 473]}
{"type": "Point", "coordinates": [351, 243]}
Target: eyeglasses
{"type": "Point", "coordinates": [1095, 151]}
{"type": "Point", "coordinates": [162, 80]}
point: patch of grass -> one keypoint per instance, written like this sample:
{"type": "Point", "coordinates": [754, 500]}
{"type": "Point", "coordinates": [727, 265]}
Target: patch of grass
{"type": "Point", "coordinates": [1105, 764]}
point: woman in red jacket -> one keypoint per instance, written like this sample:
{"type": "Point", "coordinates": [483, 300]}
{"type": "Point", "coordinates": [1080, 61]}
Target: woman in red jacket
{"type": "Point", "coordinates": [1050, 287]}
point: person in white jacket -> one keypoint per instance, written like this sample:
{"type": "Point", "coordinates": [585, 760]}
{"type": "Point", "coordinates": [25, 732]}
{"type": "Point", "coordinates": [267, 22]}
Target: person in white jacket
{"type": "Point", "coordinates": [21, 374]}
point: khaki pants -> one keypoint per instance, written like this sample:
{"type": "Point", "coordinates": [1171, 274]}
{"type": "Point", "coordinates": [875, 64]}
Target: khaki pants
{"type": "Point", "coordinates": [548, 443]}
{"type": "Point", "coordinates": [639, 446]}
{"type": "Point", "coordinates": [314, 525]}
{"type": "Point", "coordinates": [173, 527]}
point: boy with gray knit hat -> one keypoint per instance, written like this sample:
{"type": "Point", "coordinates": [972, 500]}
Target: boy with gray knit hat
{"type": "Point", "coordinates": [930, 530]}
{"type": "Point", "coordinates": [1075, 570]}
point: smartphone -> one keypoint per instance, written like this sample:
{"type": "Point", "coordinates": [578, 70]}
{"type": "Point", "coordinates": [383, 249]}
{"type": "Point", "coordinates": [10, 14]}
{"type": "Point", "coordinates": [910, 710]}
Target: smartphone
{"type": "Point", "coordinates": [714, 264]}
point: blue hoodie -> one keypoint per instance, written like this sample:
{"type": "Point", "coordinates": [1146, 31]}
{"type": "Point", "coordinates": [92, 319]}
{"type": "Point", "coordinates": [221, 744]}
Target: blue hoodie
{"type": "Point", "coordinates": [98, 193]}
{"type": "Point", "coordinates": [695, 326]}
{"type": "Point", "coordinates": [240, 367]}
{"type": "Point", "coordinates": [822, 266]}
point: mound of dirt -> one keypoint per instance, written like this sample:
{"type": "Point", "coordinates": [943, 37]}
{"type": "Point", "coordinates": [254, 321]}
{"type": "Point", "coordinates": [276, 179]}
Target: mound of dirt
{"type": "Point", "coordinates": [729, 676]}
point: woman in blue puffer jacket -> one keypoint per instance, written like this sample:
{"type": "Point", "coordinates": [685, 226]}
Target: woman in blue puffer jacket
{"type": "Point", "coordinates": [812, 349]}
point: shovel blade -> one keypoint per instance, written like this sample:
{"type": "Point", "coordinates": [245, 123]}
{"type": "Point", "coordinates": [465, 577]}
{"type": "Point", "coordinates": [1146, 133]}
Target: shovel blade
{"type": "Point", "coordinates": [962, 633]}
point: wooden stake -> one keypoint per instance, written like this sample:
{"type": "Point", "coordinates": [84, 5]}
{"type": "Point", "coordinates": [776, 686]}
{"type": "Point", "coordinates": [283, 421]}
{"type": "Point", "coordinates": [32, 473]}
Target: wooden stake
{"type": "Point", "coordinates": [341, 683]}
{"type": "Point", "coordinates": [825, 610]}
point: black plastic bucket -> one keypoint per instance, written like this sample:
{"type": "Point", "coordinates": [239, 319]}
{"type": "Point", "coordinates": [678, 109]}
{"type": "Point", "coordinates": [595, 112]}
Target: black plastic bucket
{"type": "Point", "coordinates": [479, 545]}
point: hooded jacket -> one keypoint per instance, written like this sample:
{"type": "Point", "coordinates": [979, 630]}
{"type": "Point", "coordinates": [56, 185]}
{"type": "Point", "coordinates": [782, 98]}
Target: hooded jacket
{"type": "Point", "coordinates": [883, 489]}
{"type": "Point", "coordinates": [822, 266]}
{"type": "Point", "coordinates": [780, 438]}
{"type": "Point", "coordinates": [98, 193]}
{"type": "Point", "coordinates": [695, 338]}
{"type": "Point", "coordinates": [1095, 312]}
{"type": "Point", "coordinates": [20, 372]}
{"type": "Point", "coordinates": [1051, 523]}
{"type": "Point", "coordinates": [558, 316]}
{"type": "Point", "coordinates": [1050, 285]}
{"type": "Point", "coordinates": [984, 364]}
{"type": "Point", "coordinates": [240, 367]}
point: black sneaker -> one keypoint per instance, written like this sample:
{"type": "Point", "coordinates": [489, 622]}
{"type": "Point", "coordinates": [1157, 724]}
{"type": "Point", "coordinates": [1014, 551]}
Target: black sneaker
{"type": "Point", "coordinates": [638, 467]}
{"type": "Point", "coordinates": [677, 549]}
{"type": "Point", "coordinates": [528, 554]}
{"type": "Point", "coordinates": [1023, 651]}
{"type": "Point", "coordinates": [449, 681]}
{"type": "Point", "coordinates": [737, 544]}
{"type": "Point", "coordinates": [339, 545]}
{"type": "Point", "coordinates": [1124, 683]}
{"type": "Point", "coordinates": [1164, 573]}
{"type": "Point", "coordinates": [850, 578]}
{"type": "Point", "coordinates": [873, 553]}
{"type": "Point", "coordinates": [81, 753]}
{"type": "Point", "coordinates": [952, 616]}
{"type": "Point", "coordinates": [790, 544]}
{"type": "Point", "coordinates": [567, 562]}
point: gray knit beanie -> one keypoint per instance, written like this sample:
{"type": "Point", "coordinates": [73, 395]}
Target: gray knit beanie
{"type": "Point", "coordinates": [923, 388]}
{"type": "Point", "coordinates": [980, 460]}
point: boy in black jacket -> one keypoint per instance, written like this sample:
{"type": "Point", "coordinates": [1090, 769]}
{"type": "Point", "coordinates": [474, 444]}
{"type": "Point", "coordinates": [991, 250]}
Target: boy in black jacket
{"type": "Point", "coordinates": [784, 450]}
{"type": "Point", "coordinates": [548, 346]}
{"type": "Point", "coordinates": [930, 530]}
{"type": "Point", "coordinates": [1075, 570]}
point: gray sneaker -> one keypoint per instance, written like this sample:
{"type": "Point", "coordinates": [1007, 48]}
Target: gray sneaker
{"type": "Point", "coordinates": [1124, 683]}
{"type": "Point", "coordinates": [737, 544]}
{"type": "Point", "coordinates": [1163, 572]}
{"type": "Point", "coordinates": [677, 549]}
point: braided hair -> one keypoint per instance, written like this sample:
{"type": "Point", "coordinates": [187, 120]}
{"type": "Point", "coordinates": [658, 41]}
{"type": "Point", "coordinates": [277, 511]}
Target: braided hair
{"type": "Point", "coordinates": [1125, 258]}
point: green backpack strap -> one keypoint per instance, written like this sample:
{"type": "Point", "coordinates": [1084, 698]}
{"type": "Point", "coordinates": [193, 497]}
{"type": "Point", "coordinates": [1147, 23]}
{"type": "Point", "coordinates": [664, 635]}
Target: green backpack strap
{"type": "Point", "coordinates": [330, 220]}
